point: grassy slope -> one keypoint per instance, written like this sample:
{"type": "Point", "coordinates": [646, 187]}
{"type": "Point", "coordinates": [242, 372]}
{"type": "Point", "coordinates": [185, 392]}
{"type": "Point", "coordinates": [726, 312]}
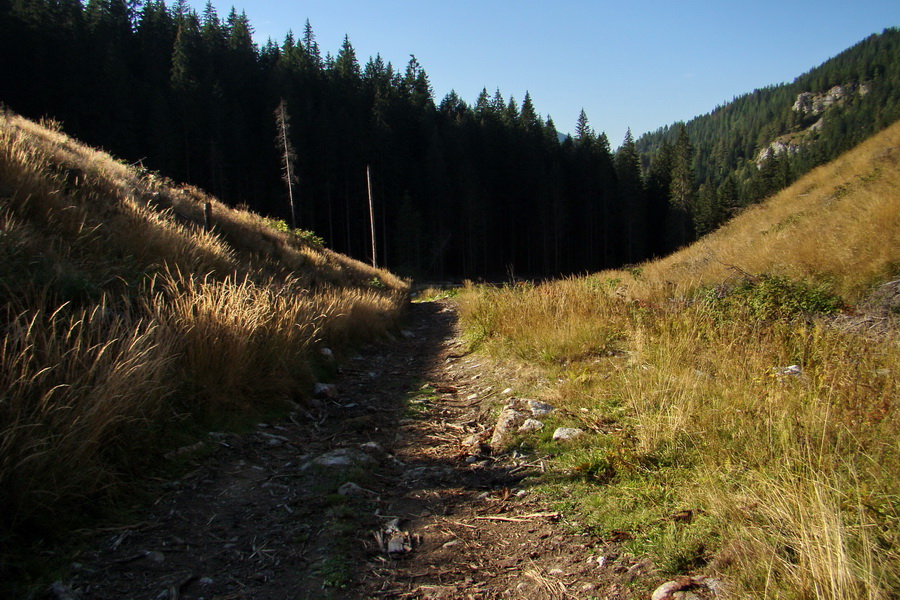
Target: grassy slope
{"type": "Point", "coordinates": [840, 225]}
{"type": "Point", "coordinates": [126, 325]}
{"type": "Point", "coordinates": [703, 453]}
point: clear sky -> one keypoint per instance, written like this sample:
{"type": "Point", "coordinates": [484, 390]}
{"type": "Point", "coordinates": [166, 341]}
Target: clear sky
{"type": "Point", "coordinates": [629, 63]}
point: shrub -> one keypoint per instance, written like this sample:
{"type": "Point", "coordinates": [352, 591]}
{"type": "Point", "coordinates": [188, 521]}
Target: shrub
{"type": "Point", "coordinates": [772, 297]}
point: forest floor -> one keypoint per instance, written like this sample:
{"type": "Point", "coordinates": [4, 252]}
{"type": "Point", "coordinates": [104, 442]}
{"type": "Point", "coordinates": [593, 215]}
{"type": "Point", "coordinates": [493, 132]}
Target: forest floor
{"type": "Point", "coordinates": [372, 494]}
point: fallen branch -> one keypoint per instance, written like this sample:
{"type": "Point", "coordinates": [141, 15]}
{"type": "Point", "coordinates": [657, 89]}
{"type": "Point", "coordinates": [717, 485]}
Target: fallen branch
{"type": "Point", "coordinates": [550, 515]}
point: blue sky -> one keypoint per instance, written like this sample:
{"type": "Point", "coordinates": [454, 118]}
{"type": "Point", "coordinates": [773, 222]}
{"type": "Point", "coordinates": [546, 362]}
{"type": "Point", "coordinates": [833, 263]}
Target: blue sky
{"type": "Point", "coordinates": [629, 63]}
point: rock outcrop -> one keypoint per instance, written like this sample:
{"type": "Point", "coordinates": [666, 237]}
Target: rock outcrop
{"type": "Point", "coordinates": [810, 105]}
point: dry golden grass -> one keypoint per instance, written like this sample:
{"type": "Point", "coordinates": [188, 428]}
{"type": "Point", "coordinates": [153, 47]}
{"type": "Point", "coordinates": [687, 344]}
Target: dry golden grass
{"type": "Point", "coordinates": [794, 476]}
{"type": "Point", "coordinates": [838, 224]}
{"type": "Point", "coordinates": [124, 320]}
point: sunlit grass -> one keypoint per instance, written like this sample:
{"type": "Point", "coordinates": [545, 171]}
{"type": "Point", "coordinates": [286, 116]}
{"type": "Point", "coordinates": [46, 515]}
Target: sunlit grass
{"type": "Point", "coordinates": [127, 325]}
{"type": "Point", "coordinates": [706, 452]}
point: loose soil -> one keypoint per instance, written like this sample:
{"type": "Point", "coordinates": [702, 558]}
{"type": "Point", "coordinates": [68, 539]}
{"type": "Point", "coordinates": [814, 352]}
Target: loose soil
{"type": "Point", "coordinates": [427, 518]}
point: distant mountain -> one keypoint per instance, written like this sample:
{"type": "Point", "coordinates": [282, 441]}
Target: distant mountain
{"type": "Point", "coordinates": [762, 141]}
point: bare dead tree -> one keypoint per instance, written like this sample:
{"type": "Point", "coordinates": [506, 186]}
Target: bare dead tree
{"type": "Point", "coordinates": [371, 214]}
{"type": "Point", "coordinates": [288, 156]}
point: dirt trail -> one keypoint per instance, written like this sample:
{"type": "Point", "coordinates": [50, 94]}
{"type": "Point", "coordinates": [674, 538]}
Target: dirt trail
{"type": "Point", "coordinates": [260, 519]}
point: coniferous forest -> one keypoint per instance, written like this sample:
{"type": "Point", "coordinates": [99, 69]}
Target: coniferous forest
{"type": "Point", "coordinates": [461, 189]}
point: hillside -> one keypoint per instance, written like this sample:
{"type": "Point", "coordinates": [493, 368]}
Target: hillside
{"type": "Point", "coordinates": [839, 226]}
{"type": "Point", "coordinates": [128, 325]}
{"type": "Point", "coordinates": [737, 400]}
{"type": "Point", "coordinates": [760, 142]}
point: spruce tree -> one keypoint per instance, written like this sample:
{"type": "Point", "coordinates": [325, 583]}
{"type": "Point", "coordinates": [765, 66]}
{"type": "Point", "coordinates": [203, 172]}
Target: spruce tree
{"type": "Point", "coordinates": [528, 117]}
{"type": "Point", "coordinates": [346, 65]}
{"type": "Point", "coordinates": [681, 189]}
{"type": "Point", "coordinates": [631, 198]}
{"type": "Point", "coordinates": [584, 135]}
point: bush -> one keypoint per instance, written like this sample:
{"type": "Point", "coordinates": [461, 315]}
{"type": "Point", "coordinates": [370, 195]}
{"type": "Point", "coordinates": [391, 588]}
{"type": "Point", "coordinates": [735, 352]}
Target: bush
{"type": "Point", "coordinates": [772, 297]}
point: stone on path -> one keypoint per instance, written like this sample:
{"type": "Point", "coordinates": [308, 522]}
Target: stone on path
{"type": "Point", "coordinates": [324, 391]}
{"type": "Point", "coordinates": [509, 420]}
{"type": "Point", "coordinates": [340, 458]}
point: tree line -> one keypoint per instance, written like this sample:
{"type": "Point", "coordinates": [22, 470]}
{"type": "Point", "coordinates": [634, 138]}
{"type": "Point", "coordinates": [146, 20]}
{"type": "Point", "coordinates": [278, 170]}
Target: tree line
{"type": "Point", "coordinates": [461, 189]}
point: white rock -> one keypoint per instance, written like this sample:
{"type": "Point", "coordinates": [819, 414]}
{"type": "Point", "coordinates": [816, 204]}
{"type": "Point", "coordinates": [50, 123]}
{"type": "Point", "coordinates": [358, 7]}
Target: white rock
{"type": "Point", "coordinates": [341, 458]}
{"type": "Point", "coordinates": [687, 588]}
{"type": "Point", "coordinates": [507, 422]}
{"type": "Point", "coordinates": [563, 434]}
{"type": "Point", "coordinates": [531, 425]}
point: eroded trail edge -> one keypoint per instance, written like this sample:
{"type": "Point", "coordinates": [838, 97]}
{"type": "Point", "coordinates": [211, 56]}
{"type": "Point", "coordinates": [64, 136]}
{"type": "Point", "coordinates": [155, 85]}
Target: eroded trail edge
{"type": "Point", "coordinates": [384, 490]}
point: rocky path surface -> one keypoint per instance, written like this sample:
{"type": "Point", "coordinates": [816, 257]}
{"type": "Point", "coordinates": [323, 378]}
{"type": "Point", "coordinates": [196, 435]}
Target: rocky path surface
{"type": "Point", "coordinates": [384, 490]}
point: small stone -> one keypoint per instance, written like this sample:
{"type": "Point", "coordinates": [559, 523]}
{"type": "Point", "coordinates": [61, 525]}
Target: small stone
{"type": "Point", "coordinates": [327, 353]}
{"type": "Point", "coordinates": [687, 588]}
{"type": "Point", "coordinates": [563, 434]}
{"type": "Point", "coordinates": [351, 490]}
{"type": "Point", "coordinates": [451, 543]}
{"type": "Point", "coordinates": [157, 557]}
{"type": "Point", "coordinates": [206, 581]}
{"type": "Point", "coordinates": [474, 440]}
{"type": "Point", "coordinates": [531, 425]}
{"type": "Point", "coordinates": [540, 409]}
{"type": "Point", "coordinates": [507, 422]}
{"type": "Point", "coordinates": [794, 370]}
{"type": "Point", "coordinates": [506, 392]}
{"type": "Point", "coordinates": [407, 334]}
{"type": "Point", "coordinates": [340, 458]}
{"type": "Point", "coordinates": [372, 448]}
{"type": "Point", "coordinates": [273, 440]}
{"type": "Point", "coordinates": [62, 592]}
{"type": "Point", "coordinates": [324, 391]}
{"type": "Point", "coordinates": [557, 572]}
